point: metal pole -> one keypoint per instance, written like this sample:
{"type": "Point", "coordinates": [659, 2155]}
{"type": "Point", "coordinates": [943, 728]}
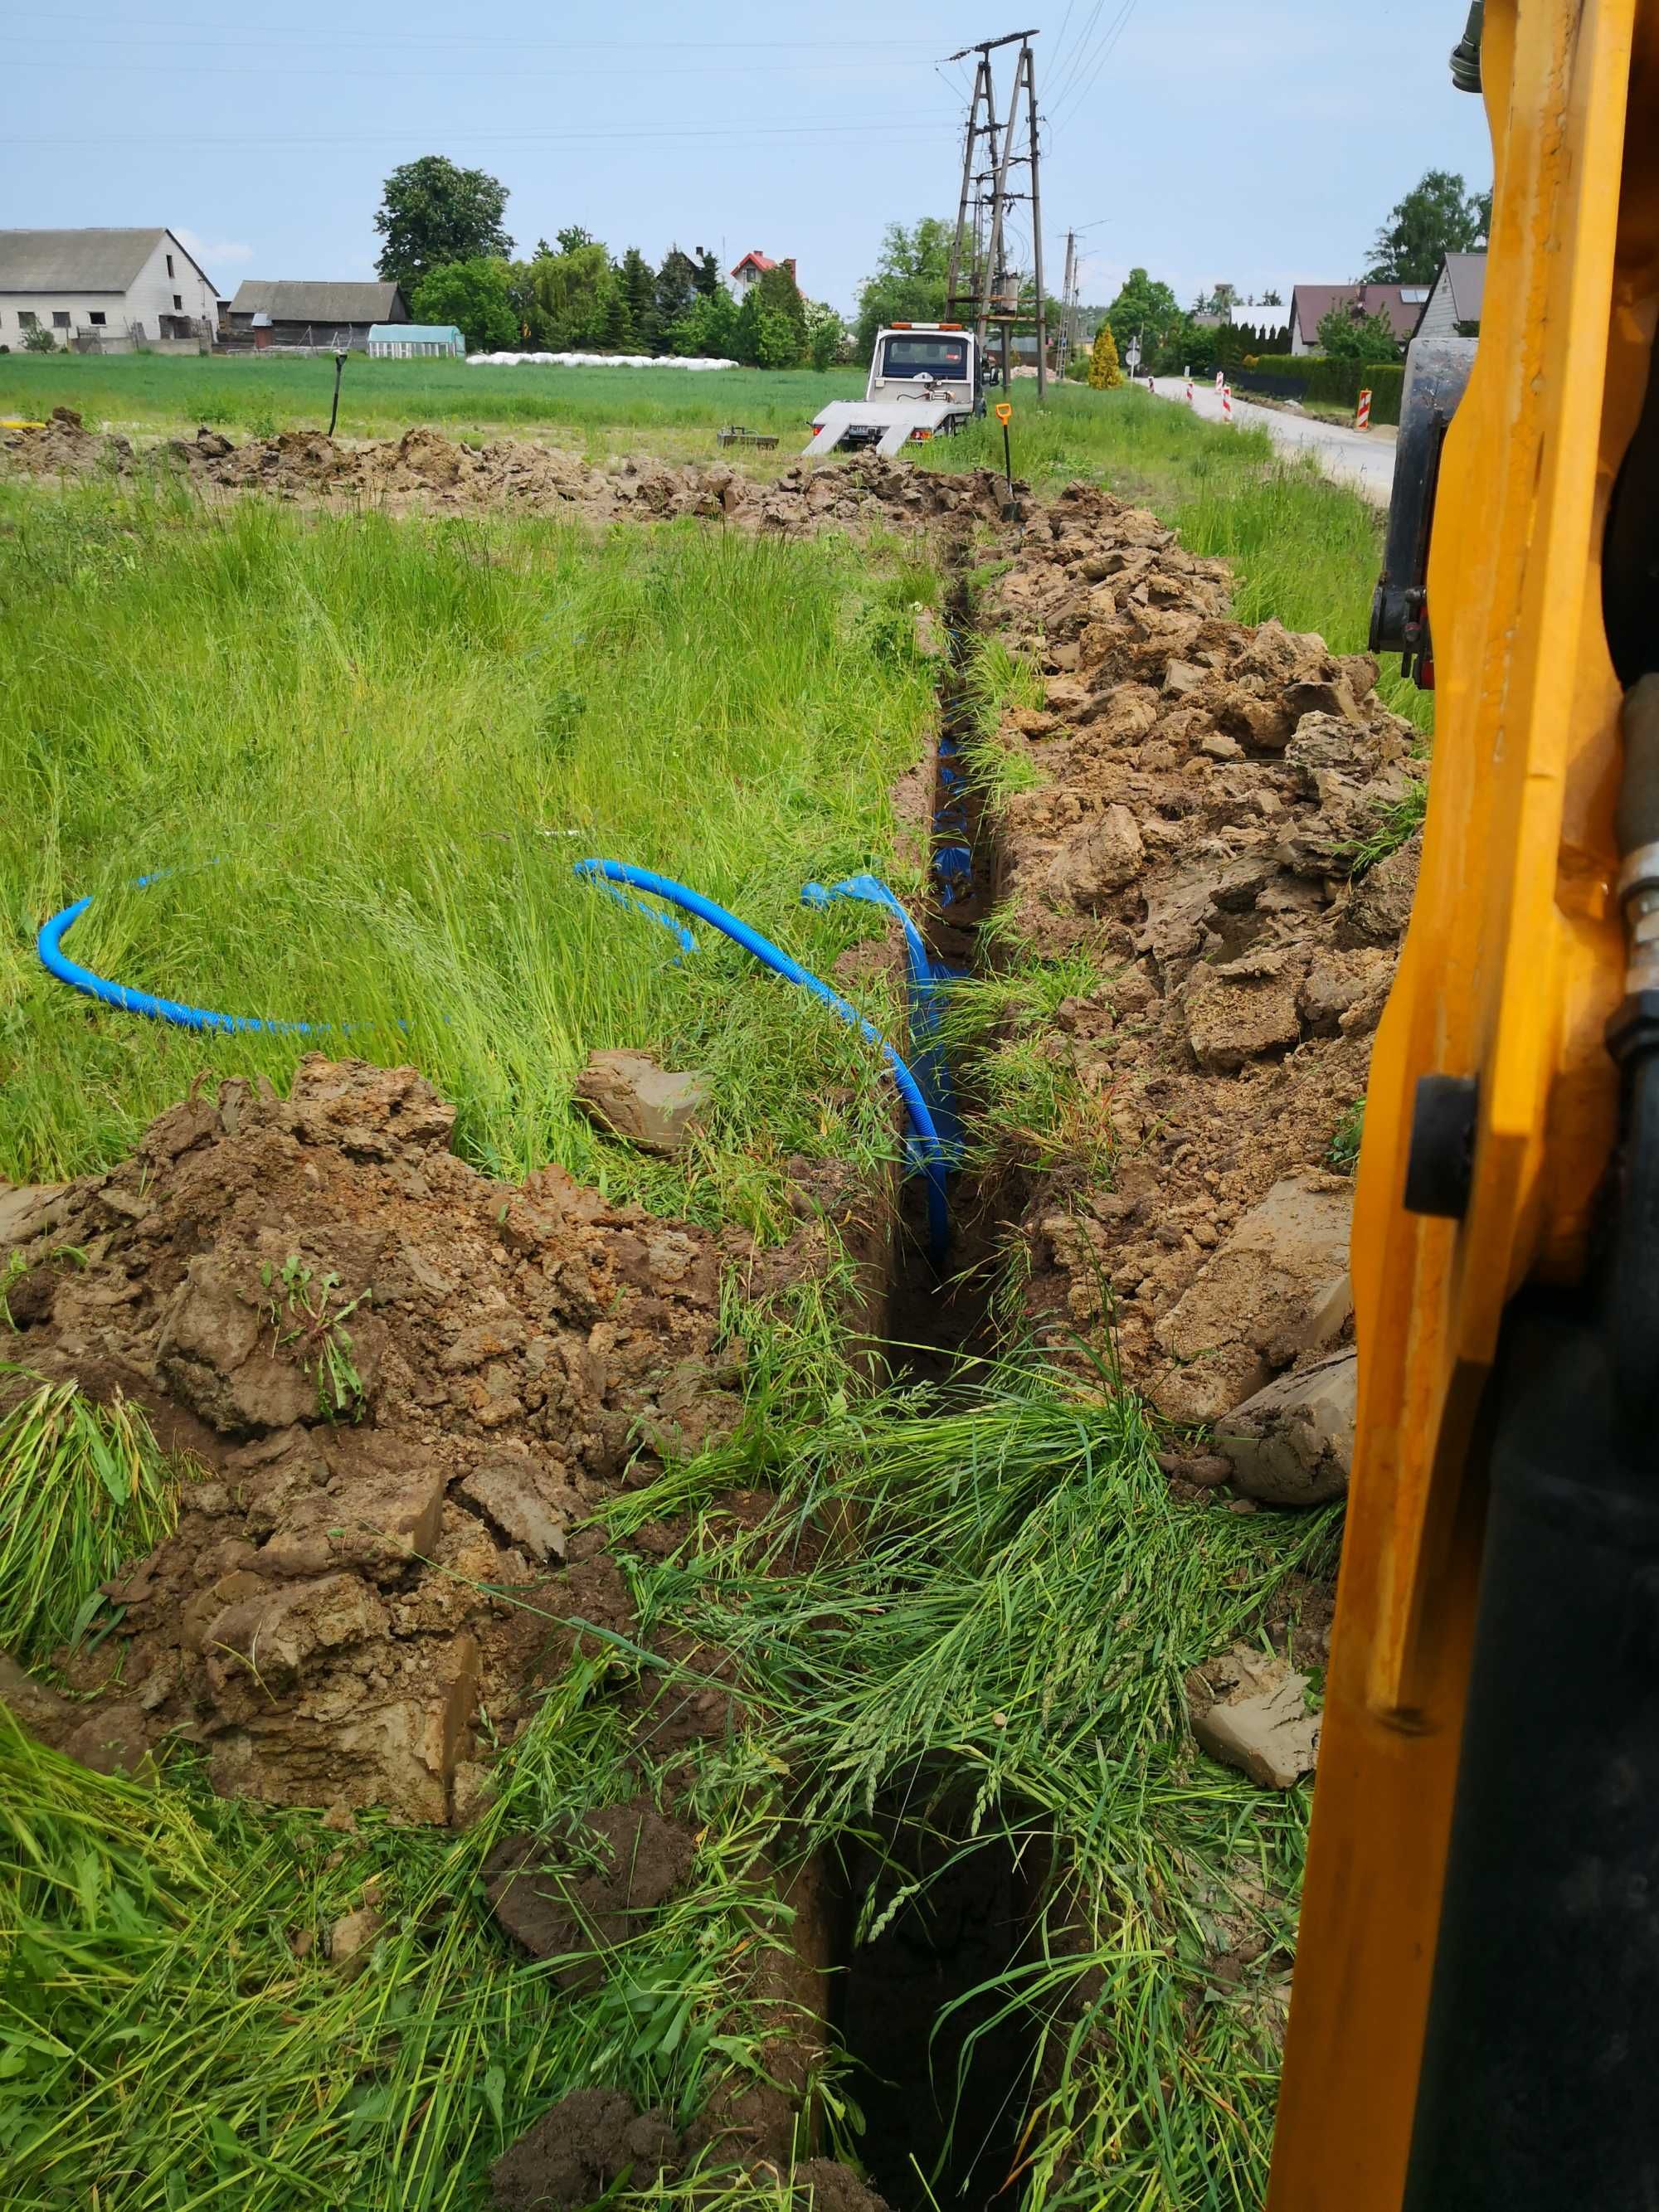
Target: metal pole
{"type": "Point", "coordinates": [982, 74]}
{"type": "Point", "coordinates": [1068, 318]}
{"type": "Point", "coordinates": [1029, 63]}
{"type": "Point", "coordinates": [994, 247]}
{"type": "Point", "coordinates": [334, 412]}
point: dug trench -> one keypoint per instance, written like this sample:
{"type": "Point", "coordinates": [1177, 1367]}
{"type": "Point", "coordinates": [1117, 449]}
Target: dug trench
{"type": "Point", "coordinates": [387, 1564]}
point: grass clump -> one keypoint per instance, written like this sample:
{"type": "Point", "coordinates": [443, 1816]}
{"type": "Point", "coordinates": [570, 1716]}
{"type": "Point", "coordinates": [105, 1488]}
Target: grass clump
{"type": "Point", "coordinates": [1015, 1623]}
{"type": "Point", "coordinates": [378, 747]}
{"type": "Point", "coordinates": [83, 1488]}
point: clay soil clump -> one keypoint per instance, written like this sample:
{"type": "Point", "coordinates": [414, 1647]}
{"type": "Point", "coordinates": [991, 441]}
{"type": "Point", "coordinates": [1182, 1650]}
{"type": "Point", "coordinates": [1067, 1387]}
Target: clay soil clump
{"type": "Point", "coordinates": [404, 1386]}
{"type": "Point", "coordinates": [422, 470]}
{"type": "Point", "coordinates": [1200, 792]}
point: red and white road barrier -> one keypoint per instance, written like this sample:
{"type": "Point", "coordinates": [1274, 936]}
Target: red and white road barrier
{"type": "Point", "coordinates": [1362, 414]}
{"type": "Point", "coordinates": [1189, 392]}
{"type": "Point", "coordinates": [1220, 379]}
{"type": "Point", "coordinates": [1226, 403]}
{"type": "Point", "coordinates": [1151, 385]}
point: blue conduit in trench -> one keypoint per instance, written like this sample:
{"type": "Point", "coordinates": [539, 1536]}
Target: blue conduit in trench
{"type": "Point", "coordinates": [926, 1146]}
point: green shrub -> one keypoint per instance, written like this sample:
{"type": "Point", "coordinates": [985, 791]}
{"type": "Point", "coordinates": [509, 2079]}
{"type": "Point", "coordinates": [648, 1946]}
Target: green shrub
{"type": "Point", "coordinates": [1339, 383]}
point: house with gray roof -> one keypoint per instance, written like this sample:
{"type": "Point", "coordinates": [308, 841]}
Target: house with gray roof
{"type": "Point", "coordinates": [1454, 305]}
{"type": "Point", "coordinates": [289, 312]}
{"type": "Point", "coordinates": [90, 287]}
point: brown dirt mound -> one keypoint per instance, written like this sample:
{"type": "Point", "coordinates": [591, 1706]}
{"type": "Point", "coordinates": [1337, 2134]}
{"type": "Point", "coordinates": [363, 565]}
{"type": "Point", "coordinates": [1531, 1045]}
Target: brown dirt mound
{"type": "Point", "coordinates": [576, 1899]}
{"type": "Point", "coordinates": [1202, 786]}
{"type": "Point", "coordinates": [594, 2138]}
{"type": "Point", "coordinates": [380, 1486]}
{"type": "Point", "coordinates": [424, 469]}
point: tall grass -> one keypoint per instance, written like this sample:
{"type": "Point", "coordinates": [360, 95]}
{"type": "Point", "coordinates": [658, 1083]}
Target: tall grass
{"type": "Point", "coordinates": [83, 1487]}
{"type": "Point", "coordinates": [364, 754]}
{"type": "Point", "coordinates": [1015, 1624]}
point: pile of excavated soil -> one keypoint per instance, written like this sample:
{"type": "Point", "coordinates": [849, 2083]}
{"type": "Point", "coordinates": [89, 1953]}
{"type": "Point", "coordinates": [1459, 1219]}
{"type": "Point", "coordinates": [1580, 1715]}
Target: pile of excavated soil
{"type": "Point", "coordinates": [1202, 787]}
{"type": "Point", "coordinates": [383, 1540]}
{"type": "Point", "coordinates": [424, 470]}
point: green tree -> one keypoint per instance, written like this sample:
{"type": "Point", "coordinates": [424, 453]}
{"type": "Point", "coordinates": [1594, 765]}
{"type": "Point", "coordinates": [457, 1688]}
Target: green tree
{"type": "Point", "coordinates": [533, 330]}
{"type": "Point", "coordinates": [573, 236]}
{"type": "Point", "coordinates": [707, 277]}
{"type": "Point", "coordinates": [1439, 215]}
{"type": "Point", "coordinates": [672, 294]}
{"type": "Point", "coordinates": [707, 329]}
{"type": "Point", "coordinates": [635, 281]}
{"type": "Point", "coordinates": [1348, 336]}
{"type": "Point", "coordinates": [476, 294]}
{"type": "Point", "coordinates": [1147, 309]}
{"type": "Point", "coordinates": [617, 333]}
{"type": "Point", "coordinates": [826, 334]}
{"type": "Point", "coordinates": [1104, 374]}
{"type": "Point", "coordinates": [779, 295]}
{"type": "Point", "coordinates": [909, 279]}
{"type": "Point", "coordinates": [764, 338]}
{"type": "Point", "coordinates": [572, 291]}
{"type": "Point", "coordinates": [432, 213]}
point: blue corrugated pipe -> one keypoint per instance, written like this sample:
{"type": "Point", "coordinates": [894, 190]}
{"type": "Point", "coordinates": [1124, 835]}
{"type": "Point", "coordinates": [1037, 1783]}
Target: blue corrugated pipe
{"type": "Point", "coordinates": [50, 943]}
{"type": "Point", "coordinates": [929, 1148]}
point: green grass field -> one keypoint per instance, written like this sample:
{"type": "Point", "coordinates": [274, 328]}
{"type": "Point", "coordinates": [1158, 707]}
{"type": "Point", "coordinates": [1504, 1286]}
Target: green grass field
{"type": "Point", "coordinates": [149, 393]}
{"type": "Point", "coordinates": [365, 752]}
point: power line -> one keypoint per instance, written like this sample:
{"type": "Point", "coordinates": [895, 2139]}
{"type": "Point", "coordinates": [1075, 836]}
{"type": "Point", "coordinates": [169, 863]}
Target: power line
{"type": "Point", "coordinates": [77, 60]}
{"type": "Point", "coordinates": [451, 134]}
{"type": "Point", "coordinates": [286, 34]}
{"type": "Point", "coordinates": [1116, 33]}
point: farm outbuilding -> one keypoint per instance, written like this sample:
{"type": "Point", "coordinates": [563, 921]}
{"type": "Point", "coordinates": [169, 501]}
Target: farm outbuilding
{"type": "Point", "coordinates": [412, 341]}
{"type": "Point", "coordinates": [290, 313]}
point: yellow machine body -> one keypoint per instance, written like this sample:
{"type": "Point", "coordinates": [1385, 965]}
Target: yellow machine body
{"type": "Point", "coordinates": [1513, 963]}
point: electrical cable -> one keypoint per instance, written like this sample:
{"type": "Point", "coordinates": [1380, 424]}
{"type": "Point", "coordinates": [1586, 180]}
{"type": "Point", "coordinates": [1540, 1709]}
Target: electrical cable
{"type": "Point", "coordinates": [926, 1148]}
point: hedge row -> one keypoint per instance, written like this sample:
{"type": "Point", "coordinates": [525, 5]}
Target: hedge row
{"type": "Point", "coordinates": [1336, 383]}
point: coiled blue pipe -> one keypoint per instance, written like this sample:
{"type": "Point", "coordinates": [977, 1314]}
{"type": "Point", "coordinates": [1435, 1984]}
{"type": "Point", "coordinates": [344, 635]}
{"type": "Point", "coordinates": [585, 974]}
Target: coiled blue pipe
{"type": "Point", "coordinates": [928, 1147]}
{"type": "Point", "coordinates": [56, 962]}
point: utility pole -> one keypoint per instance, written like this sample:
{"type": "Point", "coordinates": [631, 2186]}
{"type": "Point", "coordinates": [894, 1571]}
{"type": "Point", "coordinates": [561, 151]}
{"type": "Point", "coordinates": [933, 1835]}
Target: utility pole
{"type": "Point", "coordinates": [1067, 337]}
{"type": "Point", "coordinates": [985, 295]}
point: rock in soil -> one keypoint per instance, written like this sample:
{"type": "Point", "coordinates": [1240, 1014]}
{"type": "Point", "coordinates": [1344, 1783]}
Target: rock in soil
{"type": "Point", "coordinates": [1196, 789]}
{"type": "Point", "coordinates": [376, 1486]}
{"type": "Point", "coordinates": [1293, 1444]}
{"type": "Point", "coordinates": [627, 1095]}
{"type": "Point", "coordinates": [1250, 1710]}
{"type": "Point", "coordinates": [574, 2154]}
{"type": "Point", "coordinates": [576, 1899]}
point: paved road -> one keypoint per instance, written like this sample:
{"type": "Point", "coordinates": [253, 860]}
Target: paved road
{"type": "Point", "coordinates": [1363, 459]}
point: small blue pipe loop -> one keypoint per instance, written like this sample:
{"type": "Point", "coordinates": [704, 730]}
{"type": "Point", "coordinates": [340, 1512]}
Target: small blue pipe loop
{"type": "Point", "coordinates": [49, 947]}
{"type": "Point", "coordinates": [926, 1147]}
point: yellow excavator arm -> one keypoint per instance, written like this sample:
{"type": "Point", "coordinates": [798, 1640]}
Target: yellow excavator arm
{"type": "Point", "coordinates": [1475, 2020]}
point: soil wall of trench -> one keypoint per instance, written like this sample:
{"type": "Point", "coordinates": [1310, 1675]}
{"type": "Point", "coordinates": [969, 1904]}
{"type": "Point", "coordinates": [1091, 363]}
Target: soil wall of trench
{"type": "Point", "coordinates": [349, 1607]}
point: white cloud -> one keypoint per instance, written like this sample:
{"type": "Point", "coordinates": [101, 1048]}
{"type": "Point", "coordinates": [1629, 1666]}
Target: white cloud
{"type": "Point", "coordinates": [210, 253]}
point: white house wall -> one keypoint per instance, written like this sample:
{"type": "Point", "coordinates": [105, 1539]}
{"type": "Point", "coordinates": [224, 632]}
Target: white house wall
{"type": "Point", "coordinates": [148, 298]}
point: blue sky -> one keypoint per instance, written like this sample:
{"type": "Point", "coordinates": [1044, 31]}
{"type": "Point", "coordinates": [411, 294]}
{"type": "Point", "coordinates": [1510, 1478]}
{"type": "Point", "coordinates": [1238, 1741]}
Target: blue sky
{"type": "Point", "coordinates": [1260, 142]}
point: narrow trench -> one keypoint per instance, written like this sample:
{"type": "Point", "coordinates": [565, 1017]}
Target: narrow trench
{"type": "Point", "coordinates": [936, 1322]}
{"type": "Point", "coordinates": [933, 1918]}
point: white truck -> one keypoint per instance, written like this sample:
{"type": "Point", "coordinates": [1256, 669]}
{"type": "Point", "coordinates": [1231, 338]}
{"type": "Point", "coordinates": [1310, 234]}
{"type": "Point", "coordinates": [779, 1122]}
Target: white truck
{"type": "Point", "coordinates": [925, 381]}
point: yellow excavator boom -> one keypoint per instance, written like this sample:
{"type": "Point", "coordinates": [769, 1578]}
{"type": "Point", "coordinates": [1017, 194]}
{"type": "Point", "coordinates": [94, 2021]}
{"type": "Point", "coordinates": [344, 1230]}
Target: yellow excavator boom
{"type": "Point", "coordinates": [1489, 1193]}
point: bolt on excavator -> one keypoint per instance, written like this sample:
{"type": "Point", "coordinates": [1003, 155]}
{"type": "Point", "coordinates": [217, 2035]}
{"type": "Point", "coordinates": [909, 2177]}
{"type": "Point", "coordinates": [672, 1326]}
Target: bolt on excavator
{"type": "Point", "coordinates": [1475, 2017]}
